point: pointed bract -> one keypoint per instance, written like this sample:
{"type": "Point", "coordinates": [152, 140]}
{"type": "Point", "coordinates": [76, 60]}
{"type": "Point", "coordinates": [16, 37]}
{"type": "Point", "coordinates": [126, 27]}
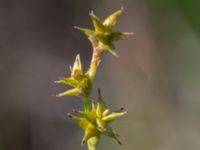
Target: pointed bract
{"type": "Point", "coordinates": [71, 92]}
{"type": "Point", "coordinates": [68, 81]}
{"type": "Point", "coordinates": [100, 105]}
{"type": "Point", "coordinates": [87, 32]}
{"type": "Point", "coordinates": [110, 133]}
{"type": "Point", "coordinates": [115, 36]}
{"type": "Point", "coordinates": [106, 112]}
{"type": "Point", "coordinates": [89, 129]}
{"type": "Point", "coordinates": [97, 23]}
{"type": "Point", "coordinates": [77, 68]}
{"type": "Point", "coordinates": [89, 132]}
{"type": "Point", "coordinates": [113, 116]}
{"type": "Point", "coordinates": [110, 21]}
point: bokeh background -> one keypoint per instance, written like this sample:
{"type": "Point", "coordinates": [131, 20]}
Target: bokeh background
{"type": "Point", "coordinates": [156, 77]}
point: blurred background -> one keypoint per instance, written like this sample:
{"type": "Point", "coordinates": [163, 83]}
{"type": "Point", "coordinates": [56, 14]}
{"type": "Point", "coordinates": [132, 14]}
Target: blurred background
{"type": "Point", "coordinates": [156, 77]}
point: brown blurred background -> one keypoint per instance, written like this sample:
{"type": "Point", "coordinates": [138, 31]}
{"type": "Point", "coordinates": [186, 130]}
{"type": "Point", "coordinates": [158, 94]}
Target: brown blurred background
{"type": "Point", "coordinates": [157, 74]}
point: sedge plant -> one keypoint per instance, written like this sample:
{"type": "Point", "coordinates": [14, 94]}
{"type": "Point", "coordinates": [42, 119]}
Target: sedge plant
{"type": "Point", "coordinates": [95, 118]}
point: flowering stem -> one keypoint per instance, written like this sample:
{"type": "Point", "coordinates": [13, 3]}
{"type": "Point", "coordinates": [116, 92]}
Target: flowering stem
{"type": "Point", "coordinates": [95, 118]}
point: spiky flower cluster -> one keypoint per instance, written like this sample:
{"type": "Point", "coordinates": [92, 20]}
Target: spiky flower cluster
{"type": "Point", "coordinates": [95, 118]}
{"type": "Point", "coordinates": [103, 36]}
{"type": "Point", "coordinates": [96, 121]}
{"type": "Point", "coordinates": [78, 80]}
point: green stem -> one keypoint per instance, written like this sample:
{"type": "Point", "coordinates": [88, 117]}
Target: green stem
{"type": "Point", "coordinates": [96, 58]}
{"type": "Point", "coordinates": [91, 147]}
{"type": "Point", "coordinates": [92, 143]}
{"type": "Point", "coordinates": [86, 101]}
{"type": "Point", "coordinates": [94, 64]}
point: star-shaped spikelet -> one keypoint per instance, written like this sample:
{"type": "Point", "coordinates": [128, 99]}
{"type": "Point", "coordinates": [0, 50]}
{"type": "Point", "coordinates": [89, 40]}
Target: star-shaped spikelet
{"type": "Point", "coordinates": [103, 36]}
{"type": "Point", "coordinates": [96, 122]}
{"type": "Point", "coordinates": [78, 80]}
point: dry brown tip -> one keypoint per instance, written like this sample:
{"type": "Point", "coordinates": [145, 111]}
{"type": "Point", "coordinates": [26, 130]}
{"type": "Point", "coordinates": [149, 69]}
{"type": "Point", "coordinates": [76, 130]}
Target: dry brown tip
{"type": "Point", "coordinates": [69, 115]}
{"type": "Point", "coordinates": [83, 143]}
{"type": "Point", "coordinates": [74, 110]}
